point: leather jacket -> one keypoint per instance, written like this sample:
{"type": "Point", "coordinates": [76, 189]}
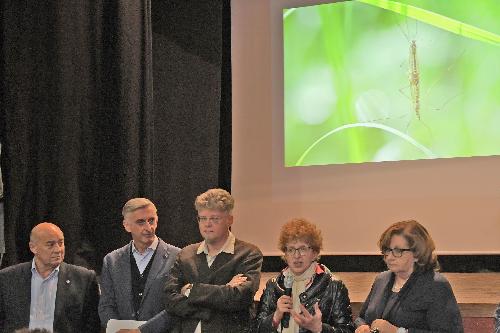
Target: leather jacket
{"type": "Point", "coordinates": [330, 293]}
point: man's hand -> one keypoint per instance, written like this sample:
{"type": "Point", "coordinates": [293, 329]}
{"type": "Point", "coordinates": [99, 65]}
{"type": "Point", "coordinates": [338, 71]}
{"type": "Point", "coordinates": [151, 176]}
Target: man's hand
{"type": "Point", "coordinates": [236, 280]}
{"type": "Point", "coordinates": [185, 288]}
{"type": "Point", "coordinates": [306, 320]}
{"type": "Point", "coordinates": [136, 330]}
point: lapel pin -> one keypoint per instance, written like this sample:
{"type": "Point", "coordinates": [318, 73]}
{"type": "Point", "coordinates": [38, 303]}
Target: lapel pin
{"type": "Point", "coordinates": [67, 281]}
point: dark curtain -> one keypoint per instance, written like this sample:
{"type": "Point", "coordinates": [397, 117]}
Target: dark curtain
{"type": "Point", "coordinates": [192, 89]}
{"type": "Point", "coordinates": [80, 133]}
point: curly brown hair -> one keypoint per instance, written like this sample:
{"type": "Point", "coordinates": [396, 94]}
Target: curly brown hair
{"type": "Point", "coordinates": [419, 241]}
{"type": "Point", "coordinates": [300, 229]}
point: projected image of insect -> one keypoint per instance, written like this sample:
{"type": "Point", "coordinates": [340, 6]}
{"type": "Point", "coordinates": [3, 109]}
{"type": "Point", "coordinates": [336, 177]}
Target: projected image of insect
{"type": "Point", "coordinates": [382, 80]}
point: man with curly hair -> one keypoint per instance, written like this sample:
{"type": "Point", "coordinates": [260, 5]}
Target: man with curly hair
{"type": "Point", "coordinates": [212, 284]}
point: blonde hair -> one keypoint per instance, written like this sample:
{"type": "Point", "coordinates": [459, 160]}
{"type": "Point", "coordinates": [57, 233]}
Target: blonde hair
{"type": "Point", "coordinates": [419, 241]}
{"type": "Point", "coordinates": [216, 199]}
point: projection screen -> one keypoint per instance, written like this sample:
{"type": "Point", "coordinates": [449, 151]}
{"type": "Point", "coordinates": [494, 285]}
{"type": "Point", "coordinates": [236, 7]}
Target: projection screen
{"type": "Point", "coordinates": [457, 199]}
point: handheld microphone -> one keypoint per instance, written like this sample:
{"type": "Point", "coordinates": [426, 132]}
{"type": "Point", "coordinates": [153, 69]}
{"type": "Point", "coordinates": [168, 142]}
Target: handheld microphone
{"type": "Point", "coordinates": [285, 321]}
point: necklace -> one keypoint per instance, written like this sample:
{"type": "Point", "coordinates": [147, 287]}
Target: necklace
{"type": "Point", "coordinates": [396, 287]}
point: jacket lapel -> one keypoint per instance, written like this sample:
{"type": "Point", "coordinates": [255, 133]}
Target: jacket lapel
{"type": "Point", "coordinates": [402, 294]}
{"type": "Point", "coordinates": [221, 259]}
{"type": "Point", "coordinates": [382, 309]}
{"type": "Point", "coordinates": [125, 278]}
{"type": "Point", "coordinates": [204, 272]}
{"type": "Point", "coordinates": [61, 294]}
{"type": "Point", "coordinates": [157, 266]}
{"type": "Point", "coordinates": [25, 291]}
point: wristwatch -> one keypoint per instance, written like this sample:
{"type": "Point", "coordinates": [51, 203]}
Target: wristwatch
{"type": "Point", "coordinates": [402, 330]}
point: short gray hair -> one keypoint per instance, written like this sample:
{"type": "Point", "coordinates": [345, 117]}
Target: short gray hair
{"type": "Point", "coordinates": [136, 203]}
{"type": "Point", "coordinates": [215, 198]}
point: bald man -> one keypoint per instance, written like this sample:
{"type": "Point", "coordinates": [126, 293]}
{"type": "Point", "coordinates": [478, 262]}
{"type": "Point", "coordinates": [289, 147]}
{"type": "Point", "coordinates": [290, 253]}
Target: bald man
{"type": "Point", "coordinates": [47, 293]}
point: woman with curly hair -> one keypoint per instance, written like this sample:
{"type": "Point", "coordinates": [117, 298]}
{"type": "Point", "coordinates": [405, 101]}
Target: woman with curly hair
{"type": "Point", "coordinates": [316, 300]}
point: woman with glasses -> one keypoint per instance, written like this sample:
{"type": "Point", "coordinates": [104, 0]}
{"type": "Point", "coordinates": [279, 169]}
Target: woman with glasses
{"type": "Point", "coordinates": [411, 296]}
{"type": "Point", "coordinates": [305, 296]}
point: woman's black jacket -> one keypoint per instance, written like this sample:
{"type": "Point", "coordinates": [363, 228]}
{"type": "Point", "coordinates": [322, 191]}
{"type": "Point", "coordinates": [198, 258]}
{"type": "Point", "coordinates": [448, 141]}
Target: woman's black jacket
{"type": "Point", "coordinates": [330, 292]}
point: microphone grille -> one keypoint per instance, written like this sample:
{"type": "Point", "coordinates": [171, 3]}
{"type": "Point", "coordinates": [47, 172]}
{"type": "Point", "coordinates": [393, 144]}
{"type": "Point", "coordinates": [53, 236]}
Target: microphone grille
{"type": "Point", "coordinates": [288, 281]}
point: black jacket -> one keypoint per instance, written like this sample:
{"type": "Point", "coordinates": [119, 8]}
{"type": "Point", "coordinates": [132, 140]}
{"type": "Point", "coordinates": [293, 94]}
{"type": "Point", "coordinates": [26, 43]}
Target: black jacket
{"type": "Point", "coordinates": [77, 297]}
{"type": "Point", "coordinates": [425, 304]}
{"type": "Point", "coordinates": [326, 289]}
{"type": "Point", "coordinates": [221, 308]}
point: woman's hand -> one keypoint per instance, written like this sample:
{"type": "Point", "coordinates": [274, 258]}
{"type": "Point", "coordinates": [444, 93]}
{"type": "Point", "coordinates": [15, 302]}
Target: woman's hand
{"type": "Point", "coordinates": [362, 329]}
{"type": "Point", "coordinates": [283, 305]}
{"type": "Point", "coordinates": [306, 320]}
{"type": "Point", "coordinates": [384, 326]}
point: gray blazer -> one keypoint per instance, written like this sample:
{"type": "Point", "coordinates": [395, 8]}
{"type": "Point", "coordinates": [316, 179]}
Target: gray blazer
{"type": "Point", "coordinates": [116, 288]}
{"type": "Point", "coordinates": [76, 299]}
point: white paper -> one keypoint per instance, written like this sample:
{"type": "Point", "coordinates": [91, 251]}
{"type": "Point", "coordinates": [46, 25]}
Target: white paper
{"type": "Point", "coordinates": [115, 325]}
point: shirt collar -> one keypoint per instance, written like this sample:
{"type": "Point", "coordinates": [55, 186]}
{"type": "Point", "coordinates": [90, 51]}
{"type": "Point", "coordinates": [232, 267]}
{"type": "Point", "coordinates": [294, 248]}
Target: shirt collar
{"type": "Point", "coordinates": [54, 272]}
{"type": "Point", "coordinates": [150, 248]}
{"type": "Point", "coordinates": [228, 246]}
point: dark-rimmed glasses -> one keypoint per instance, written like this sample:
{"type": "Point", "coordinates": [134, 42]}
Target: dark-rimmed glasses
{"type": "Point", "coordinates": [291, 251]}
{"type": "Point", "coordinates": [396, 252]}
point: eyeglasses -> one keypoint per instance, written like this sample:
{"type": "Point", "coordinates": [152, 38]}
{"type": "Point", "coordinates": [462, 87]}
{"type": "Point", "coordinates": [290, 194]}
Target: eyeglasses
{"type": "Point", "coordinates": [291, 251]}
{"type": "Point", "coordinates": [211, 219]}
{"type": "Point", "coordinates": [396, 252]}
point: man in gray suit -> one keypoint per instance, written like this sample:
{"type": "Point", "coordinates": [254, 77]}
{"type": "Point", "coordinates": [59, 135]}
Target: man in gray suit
{"type": "Point", "coordinates": [47, 293]}
{"type": "Point", "coordinates": [133, 276]}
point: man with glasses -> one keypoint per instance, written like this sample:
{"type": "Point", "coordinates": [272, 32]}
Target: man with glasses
{"type": "Point", "coordinates": [212, 284]}
{"type": "Point", "coordinates": [133, 276]}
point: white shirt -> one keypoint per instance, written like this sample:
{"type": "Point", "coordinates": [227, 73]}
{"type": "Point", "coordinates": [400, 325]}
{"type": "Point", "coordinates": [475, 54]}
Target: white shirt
{"type": "Point", "coordinates": [43, 298]}
{"type": "Point", "coordinates": [142, 259]}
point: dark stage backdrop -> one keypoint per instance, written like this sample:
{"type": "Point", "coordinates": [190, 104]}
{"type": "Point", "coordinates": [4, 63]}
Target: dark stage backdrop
{"type": "Point", "coordinates": [81, 131]}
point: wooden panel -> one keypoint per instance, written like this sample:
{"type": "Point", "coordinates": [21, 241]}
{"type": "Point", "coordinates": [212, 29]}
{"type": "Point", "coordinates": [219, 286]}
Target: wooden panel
{"type": "Point", "coordinates": [477, 293]}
